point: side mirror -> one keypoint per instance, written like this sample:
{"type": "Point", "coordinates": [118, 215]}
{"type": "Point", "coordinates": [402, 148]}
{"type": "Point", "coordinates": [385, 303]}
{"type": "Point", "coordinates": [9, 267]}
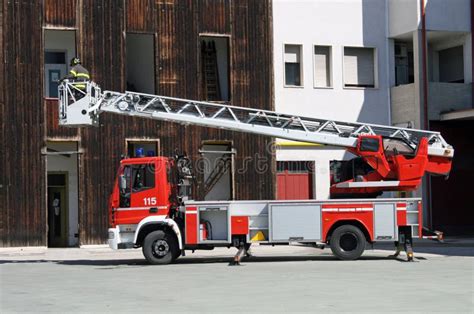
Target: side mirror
{"type": "Point", "coordinates": [122, 182]}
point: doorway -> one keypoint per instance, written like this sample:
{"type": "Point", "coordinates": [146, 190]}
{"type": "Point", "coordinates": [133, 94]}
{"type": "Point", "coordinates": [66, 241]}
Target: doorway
{"type": "Point", "coordinates": [140, 63]}
{"type": "Point", "coordinates": [217, 171]}
{"type": "Point", "coordinates": [57, 210]}
{"type": "Point", "coordinates": [62, 193]}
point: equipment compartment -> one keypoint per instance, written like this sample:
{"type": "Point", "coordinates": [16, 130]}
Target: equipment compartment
{"type": "Point", "coordinates": [213, 224]}
{"type": "Point", "coordinates": [295, 222]}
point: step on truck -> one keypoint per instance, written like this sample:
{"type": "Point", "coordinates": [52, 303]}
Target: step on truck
{"type": "Point", "coordinates": [151, 206]}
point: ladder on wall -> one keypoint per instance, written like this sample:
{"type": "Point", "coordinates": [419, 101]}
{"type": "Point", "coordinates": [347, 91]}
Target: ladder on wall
{"type": "Point", "coordinates": [210, 79]}
{"type": "Point", "coordinates": [222, 167]}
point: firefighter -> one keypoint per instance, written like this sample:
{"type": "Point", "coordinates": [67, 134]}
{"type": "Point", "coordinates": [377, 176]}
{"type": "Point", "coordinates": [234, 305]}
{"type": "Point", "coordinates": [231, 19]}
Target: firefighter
{"type": "Point", "coordinates": [78, 74]}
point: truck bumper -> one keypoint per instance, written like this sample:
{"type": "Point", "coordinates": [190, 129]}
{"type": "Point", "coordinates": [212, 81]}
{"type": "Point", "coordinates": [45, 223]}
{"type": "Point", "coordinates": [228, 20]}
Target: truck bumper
{"type": "Point", "coordinates": [114, 236]}
{"type": "Point", "coordinates": [121, 239]}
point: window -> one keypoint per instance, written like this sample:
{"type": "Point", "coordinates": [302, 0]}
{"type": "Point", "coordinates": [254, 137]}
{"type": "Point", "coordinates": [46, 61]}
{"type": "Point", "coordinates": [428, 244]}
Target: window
{"type": "Point", "coordinates": [140, 63]}
{"type": "Point", "coordinates": [404, 68]}
{"type": "Point", "coordinates": [143, 177]}
{"type": "Point", "coordinates": [451, 65]}
{"type": "Point", "coordinates": [215, 78]}
{"type": "Point", "coordinates": [293, 65]}
{"type": "Point", "coordinates": [359, 67]}
{"type": "Point", "coordinates": [322, 66]}
{"type": "Point", "coordinates": [59, 48]}
{"type": "Point", "coordinates": [148, 148]}
{"type": "Point", "coordinates": [395, 146]}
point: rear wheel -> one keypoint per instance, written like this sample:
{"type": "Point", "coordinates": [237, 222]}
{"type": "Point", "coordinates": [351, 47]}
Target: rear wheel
{"type": "Point", "coordinates": [160, 248]}
{"type": "Point", "coordinates": [347, 242]}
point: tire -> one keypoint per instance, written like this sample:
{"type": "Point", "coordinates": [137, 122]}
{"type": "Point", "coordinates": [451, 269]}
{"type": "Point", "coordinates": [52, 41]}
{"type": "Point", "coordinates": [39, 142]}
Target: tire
{"type": "Point", "coordinates": [347, 242]}
{"type": "Point", "coordinates": [160, 248]}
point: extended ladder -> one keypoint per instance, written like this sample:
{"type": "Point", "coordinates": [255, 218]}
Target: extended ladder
{"type": "Point", "coordinates": [85, 111]}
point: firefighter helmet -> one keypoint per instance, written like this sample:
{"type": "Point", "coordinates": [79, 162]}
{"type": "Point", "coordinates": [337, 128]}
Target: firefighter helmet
{"type": "Point", "coordinates": [75, 61]}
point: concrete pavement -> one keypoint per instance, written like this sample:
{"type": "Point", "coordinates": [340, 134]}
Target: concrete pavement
{"type": "Point", "coordinates": [282, 279]}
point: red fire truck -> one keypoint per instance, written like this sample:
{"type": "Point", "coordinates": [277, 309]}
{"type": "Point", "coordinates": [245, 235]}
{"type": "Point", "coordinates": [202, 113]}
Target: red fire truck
{"type": "Point", "coordinates": [151, 205]}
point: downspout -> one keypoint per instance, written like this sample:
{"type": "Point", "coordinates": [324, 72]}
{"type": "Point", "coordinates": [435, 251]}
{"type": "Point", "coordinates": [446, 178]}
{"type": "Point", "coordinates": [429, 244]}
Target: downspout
{"type": "Point", "coordinates": [425, 104]}
{"type": "Point", "coordinates": [424, 65]}
{"type": "Point", "coordinates": [472, 53]}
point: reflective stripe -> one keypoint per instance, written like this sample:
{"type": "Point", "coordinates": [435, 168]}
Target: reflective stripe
{"type": "Point", "coordinates": [73, 72]}
{"type": "Point", "coordinates": [83, 75]}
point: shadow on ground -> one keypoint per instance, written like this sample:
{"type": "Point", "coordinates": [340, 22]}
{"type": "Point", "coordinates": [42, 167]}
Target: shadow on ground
{"type": "Point", "coordinates": [200, 260]}
{"type": "Point", "coordinates": [436, 248]}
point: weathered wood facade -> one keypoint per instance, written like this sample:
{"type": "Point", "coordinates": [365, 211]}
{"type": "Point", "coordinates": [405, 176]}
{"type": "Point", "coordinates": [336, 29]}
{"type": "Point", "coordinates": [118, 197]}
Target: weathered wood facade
{"type": "Point", "coordinates": [29, 120]}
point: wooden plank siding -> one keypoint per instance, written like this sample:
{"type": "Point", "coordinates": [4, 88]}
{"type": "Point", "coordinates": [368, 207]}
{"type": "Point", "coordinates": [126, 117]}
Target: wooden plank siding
{"type": "Point", "coordinates": [141, 15]}
{"type": "Point", "coordinates": [22, 183]}
{"type": "Point", "coordinates": [60, 13]}
{"type": "Point", "coordinates": [102, 26]}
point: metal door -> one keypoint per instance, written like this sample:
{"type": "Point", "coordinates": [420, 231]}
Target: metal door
{"type": "Point", "coordinates": [385, 223]}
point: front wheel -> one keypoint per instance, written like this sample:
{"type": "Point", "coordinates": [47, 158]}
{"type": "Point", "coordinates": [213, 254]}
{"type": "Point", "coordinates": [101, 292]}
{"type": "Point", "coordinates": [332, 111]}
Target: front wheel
{"type": "Point", "coordinates": [160, 248]}
{"type": "Point", "coordinates": [347, 242]}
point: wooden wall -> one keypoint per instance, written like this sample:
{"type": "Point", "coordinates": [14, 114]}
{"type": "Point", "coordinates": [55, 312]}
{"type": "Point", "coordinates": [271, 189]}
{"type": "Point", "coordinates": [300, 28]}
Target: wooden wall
{"type": "Point", "coordinates": [22, 176]}
{"type": "Point", "coordinates": [101, 29]}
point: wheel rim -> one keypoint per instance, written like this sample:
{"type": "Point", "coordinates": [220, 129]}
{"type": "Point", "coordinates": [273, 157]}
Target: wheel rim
{"type": "Point", "coordinates": [348, 242]}
{"type": "Point", "coordinates": [160, 248]}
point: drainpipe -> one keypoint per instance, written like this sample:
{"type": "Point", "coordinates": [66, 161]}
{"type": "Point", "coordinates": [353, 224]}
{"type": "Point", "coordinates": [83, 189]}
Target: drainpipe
{"type": "Point", "coordinates": [425, 105]}
{"type": "Point", "coordinates": [472, 53]}
{"type": "Point", "coordinates": [424, 62]}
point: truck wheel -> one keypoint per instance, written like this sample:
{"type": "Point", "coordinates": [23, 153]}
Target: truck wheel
{"type": "Point", "coordinates": [347, 242]}
{"type": "Point", "coordinates": [160, 248]}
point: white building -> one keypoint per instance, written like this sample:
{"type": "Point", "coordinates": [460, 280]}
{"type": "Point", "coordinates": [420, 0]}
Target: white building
{"type": "Point", "coordinates": [363, 60]}
{"type": "Point", "coordinates": [331, 60]}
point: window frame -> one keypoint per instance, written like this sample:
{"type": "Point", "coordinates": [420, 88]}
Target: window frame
{"type": "Point", "coordinates": [301, 66]}
{"type": "Point", "coordinates": [330, 67]}
{"type": "Point", "coordinates": [132, 141]}
{"type": "Point", "coordinates": [376, 70]}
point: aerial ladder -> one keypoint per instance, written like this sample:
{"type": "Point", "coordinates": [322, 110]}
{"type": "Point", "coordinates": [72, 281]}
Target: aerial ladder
{"type": "Point", "coordinates": [397, 158]}
{"type": "Point", "coordinates": [165, 222]}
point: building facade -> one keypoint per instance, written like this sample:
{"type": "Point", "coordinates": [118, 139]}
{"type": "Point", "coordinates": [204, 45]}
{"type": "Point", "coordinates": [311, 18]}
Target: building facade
{"type": "Point", "coordinates": [55, 181]}
{"type": "Point", "coordinates": [331, 62]}
{"type": "Point", "coordinates": [406, 63]}
{"type": "Point", "coordinates": [363, 60]}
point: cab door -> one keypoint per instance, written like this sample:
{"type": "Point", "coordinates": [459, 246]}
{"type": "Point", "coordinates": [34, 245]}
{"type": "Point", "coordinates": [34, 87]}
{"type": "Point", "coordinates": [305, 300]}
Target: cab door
{"type": "Point", "coordinates": [140, 197]}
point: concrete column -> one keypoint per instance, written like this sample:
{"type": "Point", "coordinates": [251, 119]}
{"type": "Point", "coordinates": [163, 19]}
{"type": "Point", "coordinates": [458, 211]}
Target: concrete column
{"type": "Point", "coordinates": [467, 52]}
{"type": "Point", "coordinates": [321, 179]}
{"type": "Point", "coordinates": [418, 74]}
{"type": "Point", "coordinates": [419, 114]}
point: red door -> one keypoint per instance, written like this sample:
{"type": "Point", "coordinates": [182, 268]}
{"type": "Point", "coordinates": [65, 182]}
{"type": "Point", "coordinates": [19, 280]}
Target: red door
{"type": "Point", "coordinates": [294, 180]}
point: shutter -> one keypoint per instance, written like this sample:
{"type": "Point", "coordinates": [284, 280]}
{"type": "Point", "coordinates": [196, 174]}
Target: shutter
{"type": "Point", "coordinates": [359, 67]}
{"type": "Point", "coordinates": [321, 66]}
{"type": "Point", "coordinates": [292, 54]}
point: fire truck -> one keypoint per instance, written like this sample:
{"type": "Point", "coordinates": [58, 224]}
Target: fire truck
{"type": "Point", "coordinates": [151, 204]}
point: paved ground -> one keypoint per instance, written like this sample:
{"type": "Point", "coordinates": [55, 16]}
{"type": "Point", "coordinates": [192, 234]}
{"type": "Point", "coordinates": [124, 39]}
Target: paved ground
{"type": "Point", "coordinates": [282, 279]}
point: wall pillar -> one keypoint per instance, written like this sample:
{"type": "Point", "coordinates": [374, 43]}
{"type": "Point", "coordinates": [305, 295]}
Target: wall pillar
{"type": "Point", "coordinates": [321, 179]}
